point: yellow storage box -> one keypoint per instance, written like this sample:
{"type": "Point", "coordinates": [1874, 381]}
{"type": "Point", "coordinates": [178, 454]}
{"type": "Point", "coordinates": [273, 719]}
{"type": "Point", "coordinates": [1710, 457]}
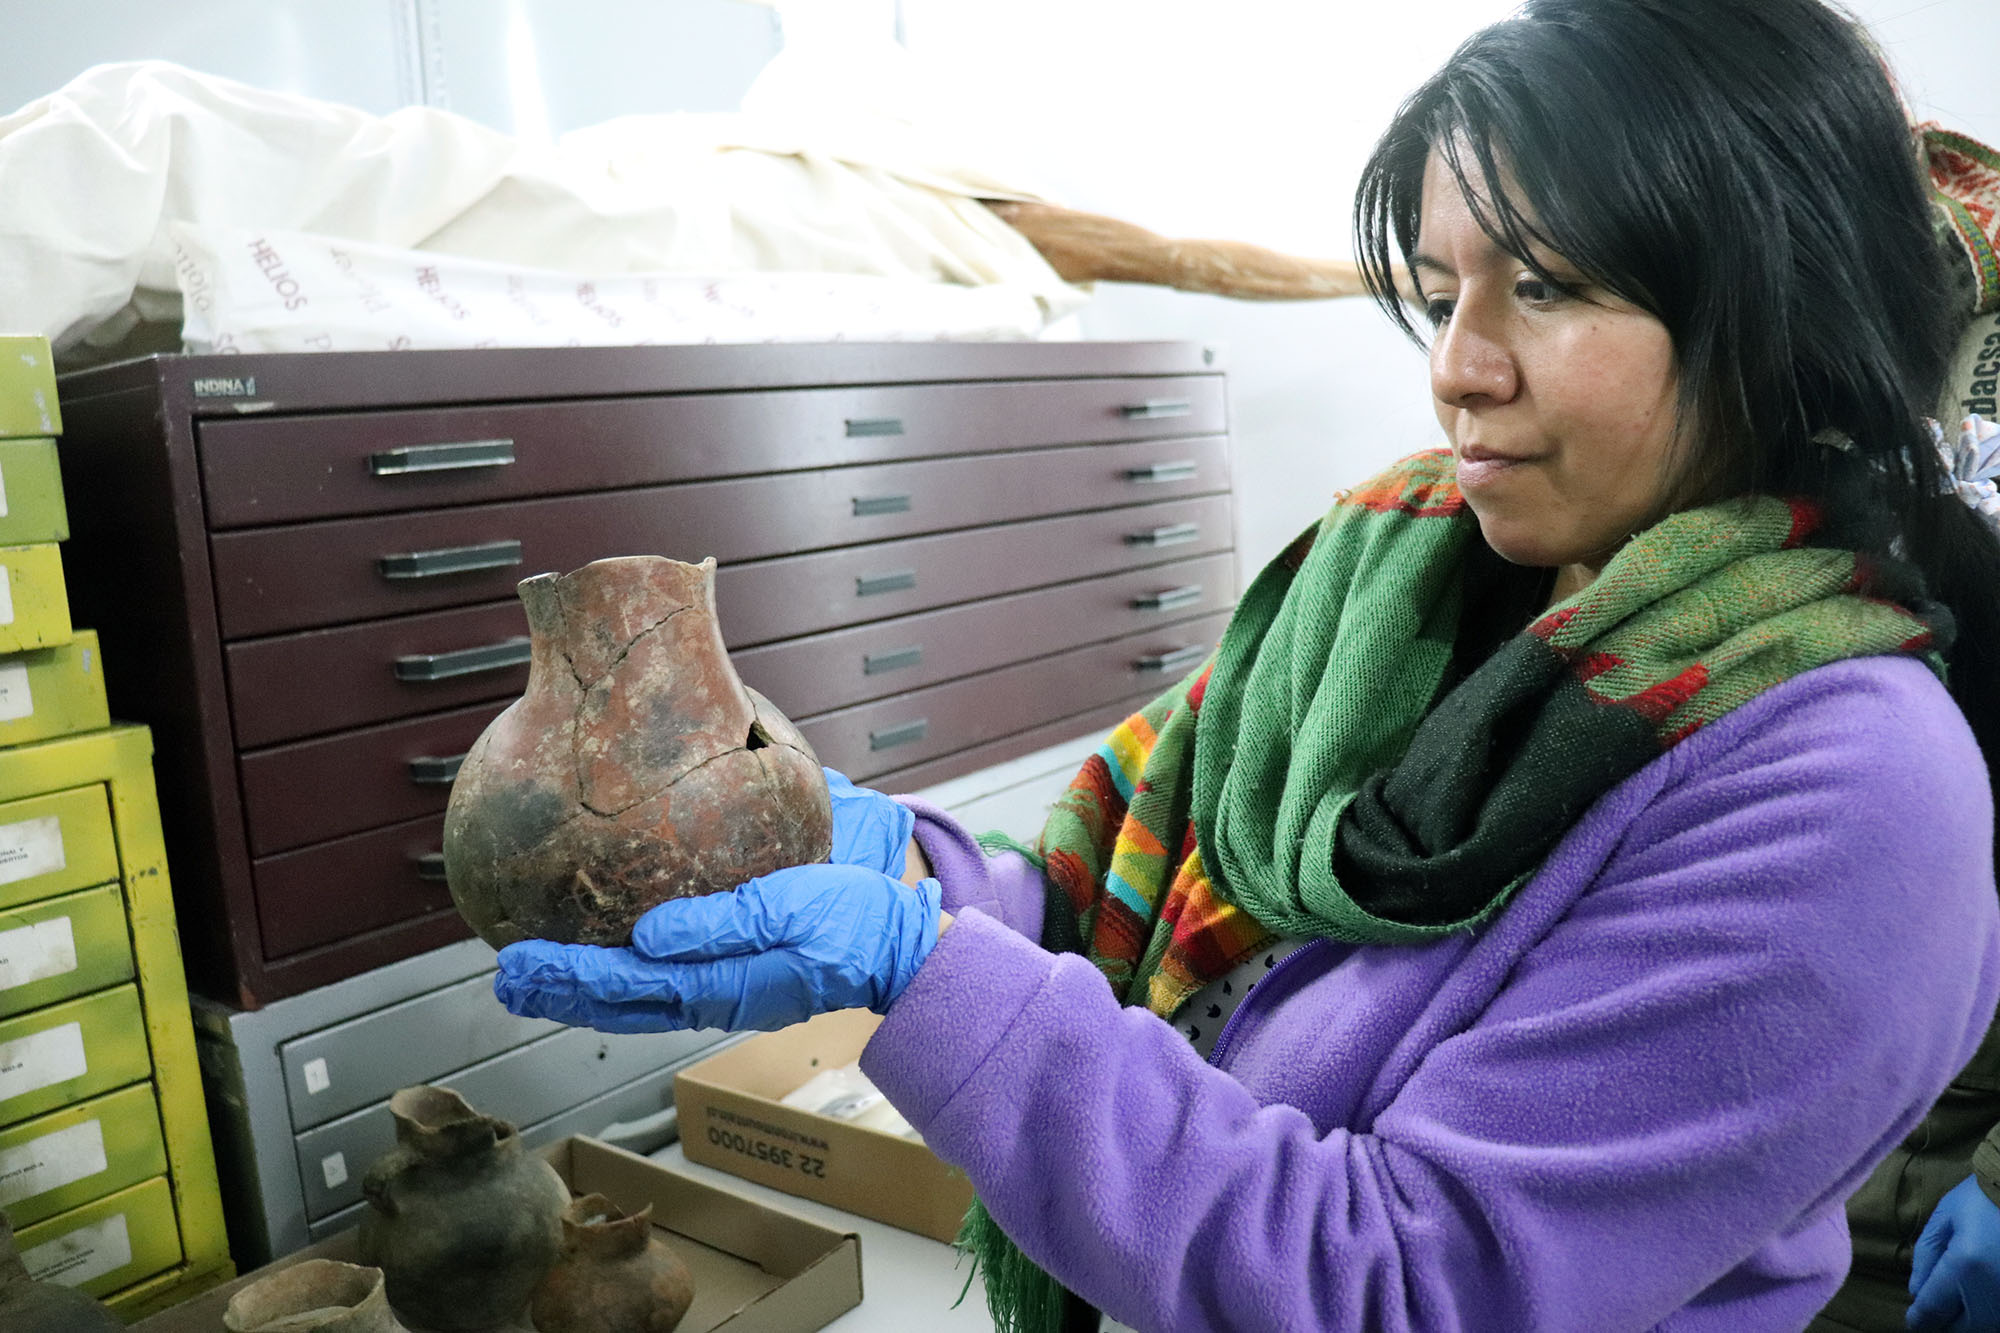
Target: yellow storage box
{"type": "Point", "coordinates": [105, 1245]}
{"type": "Point", "coordinates": [51, 692]}
{"type": "Point", "coordinates": [83, 1152]}
{"type": "Point", "coordinates": [55, 843]}
{"type": "Point", "coordinates": [31, 493]}
{"type": "Point", "coordinates": [66, 946]}
{"type": "Point", "coordinates": [66, 1052]}
{"type": "Point", "coordinates": [27, 387]}
{"type": "Point", "coordinates": [34, 601]}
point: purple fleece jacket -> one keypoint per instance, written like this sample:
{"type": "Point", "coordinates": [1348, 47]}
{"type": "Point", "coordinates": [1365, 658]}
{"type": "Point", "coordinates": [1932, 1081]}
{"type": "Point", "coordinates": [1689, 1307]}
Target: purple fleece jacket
{"type": "Point", "coordinates": [1636, 1098]}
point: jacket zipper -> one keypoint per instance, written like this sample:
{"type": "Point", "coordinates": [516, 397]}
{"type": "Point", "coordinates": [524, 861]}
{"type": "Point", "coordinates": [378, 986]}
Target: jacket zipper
{"type": "Point", "coordinates": [1224, 1038]}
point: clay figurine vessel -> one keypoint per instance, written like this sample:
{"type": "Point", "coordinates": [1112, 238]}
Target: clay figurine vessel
{"type": "Point", "coordinates": [314, 1296]}
{"type": "Point", "coordinates": [615, 1275]}
{"type": "Point", "coordinates": [635, 769]}
{"type": "Point", "coordinates": [28, 1306]}
{"type": "Point", "coordinates": [462, 1221]}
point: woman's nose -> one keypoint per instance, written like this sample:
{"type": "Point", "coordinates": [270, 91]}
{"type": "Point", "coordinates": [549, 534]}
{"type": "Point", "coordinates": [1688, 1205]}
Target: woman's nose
{"type": "Point", "coordinates": [1471, 364]}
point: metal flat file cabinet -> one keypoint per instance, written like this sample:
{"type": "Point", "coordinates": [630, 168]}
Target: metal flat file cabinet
{"type": "Point", "coordinates": [934, 557]}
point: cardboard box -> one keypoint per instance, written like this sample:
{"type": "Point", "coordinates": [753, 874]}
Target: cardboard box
{"type": "Point", "coordinates": [50, 692]}
{"type": "Point", "coordinates": [27, 387]}
{"type": "Point", "coordinates": [31, 493]}
{"type": "Point", "coordinates": [34, 601]}
{"type": "Point", "coordinates": [756, 1269]}
{"type": "Point", "coordinates": [731, 1119]}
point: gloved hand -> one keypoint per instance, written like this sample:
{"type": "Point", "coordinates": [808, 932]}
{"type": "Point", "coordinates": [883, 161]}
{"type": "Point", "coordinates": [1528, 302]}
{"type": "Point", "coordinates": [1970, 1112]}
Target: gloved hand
{"type": "Point", "coordinates": [1955, 1275]}
{"type": "Point", "coordinates": [869, 829]}
{"type": "Point", "coordinates": [797, 942]}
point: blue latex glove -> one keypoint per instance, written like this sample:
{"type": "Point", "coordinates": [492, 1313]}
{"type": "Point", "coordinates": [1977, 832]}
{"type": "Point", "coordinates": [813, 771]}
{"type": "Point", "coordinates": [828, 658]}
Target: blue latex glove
{"type": "Point", "coordinates": [797, 942]}
{"type": "Point", "coordinates": [869, 829]}
{"type": "Point", "coordinates": [1955, 1274]}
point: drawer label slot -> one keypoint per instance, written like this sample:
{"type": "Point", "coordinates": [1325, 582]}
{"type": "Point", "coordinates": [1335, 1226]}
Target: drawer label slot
{"type": "Point", "coordinates": [42, 1060]}
{"type": "Point", "coordinates": [85, 1253]}
{"type": "Point", "coordinates": [52, 1161]}
{"type": "Point", "coordinates": [31, 847]}
{"type": "Point", "coordinates": [37, 952]}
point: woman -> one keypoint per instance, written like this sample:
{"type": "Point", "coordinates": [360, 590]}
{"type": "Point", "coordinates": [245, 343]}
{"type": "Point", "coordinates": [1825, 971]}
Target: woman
{"type": "Point", "coordinates": [1612, 866]}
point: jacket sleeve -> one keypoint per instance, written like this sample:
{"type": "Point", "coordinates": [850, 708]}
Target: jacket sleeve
{"type": "Point", "coordinates": [1005, 886]}
{"type": "Point", "coordinates": [1784, 956]}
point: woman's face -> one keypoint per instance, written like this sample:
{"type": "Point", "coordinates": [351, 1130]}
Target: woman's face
{"type": "Point", "coordinates": [1560, 410]}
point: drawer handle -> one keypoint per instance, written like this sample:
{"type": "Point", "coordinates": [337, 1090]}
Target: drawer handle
{"type": "Point", "coordinates": [1174, 659]}
{"type": "Point", "coordinates": [430, 866]}
{"type": "Point", "coordinates": [1168, 599]}
{"type": "Point", "coordinates": [890, 737]}
{"type": "Point", "coordinates": [1157, 409]}
{"type": "Point", "coordinates": [874, 664]}
{"type": "Point", "coordinates": [896, 580]}
{"type": "Point", "coordinates": [866, 506]}
{"type": "Point", "coordinates": [435, 770]}
{"type": "Point", "coordinates": [441, 457]}
{"type": "Point", "coordinates": [1174, 534]}
{"type": "Point", "coordinates": [465, 661]}
{"type": "Point", "coordinates": [858, 427]}
{"type": "Point", "coordinates": [450, 560]}
{"type": "Point", "coordinates": [1180, 470]}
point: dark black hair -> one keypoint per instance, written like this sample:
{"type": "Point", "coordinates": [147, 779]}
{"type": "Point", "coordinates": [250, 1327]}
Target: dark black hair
{"type": "Point", "coordinates": [1743, 171]}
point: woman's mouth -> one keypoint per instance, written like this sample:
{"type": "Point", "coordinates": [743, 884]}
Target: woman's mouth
{"type": "Point", "coordinates": [1481, 467]}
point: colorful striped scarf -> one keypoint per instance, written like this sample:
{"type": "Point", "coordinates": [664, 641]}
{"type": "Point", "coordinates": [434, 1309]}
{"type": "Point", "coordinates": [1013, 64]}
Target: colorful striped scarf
{"type": "Point", "coordinates": [1317, 777]}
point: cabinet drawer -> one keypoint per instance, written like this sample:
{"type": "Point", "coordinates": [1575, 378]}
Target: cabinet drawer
{"type": "Point", "coordinates": [349, 886]}
{"type": "Point", "coordinates": [822, 672]}
{"type": "Point", "coordinates": [82, 1152]}
{"type": "Point", "coordinates": [523, 1085]}
{"type": "Point", "coordinates": [273, 579]}
{"type": "Point", "coordinates": [65, 946]}
{"type": "Point", "coordinates": [924, 724]}
{"type": "Point", "coordinates": [382, 775]}
{"type": "Point", "coordinates": [360, 1062]}
{"type": "Point", "coordinates": [326, 680]}
{"type": "Point", "coordinates": [52, 844]}
{"type": "Point", "coordinates": [775, 599]}
{"type": "Point", "coordinates": [66, 1052]}
{"type": "Point", "coordinates": [283, 469]}
{"type": "Point", "coordinates": [105, 1245]}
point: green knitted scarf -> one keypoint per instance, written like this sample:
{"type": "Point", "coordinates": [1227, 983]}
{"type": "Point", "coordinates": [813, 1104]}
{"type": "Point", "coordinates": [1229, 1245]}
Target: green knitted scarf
{"type": "Point", "coordinates": [1318, 779]}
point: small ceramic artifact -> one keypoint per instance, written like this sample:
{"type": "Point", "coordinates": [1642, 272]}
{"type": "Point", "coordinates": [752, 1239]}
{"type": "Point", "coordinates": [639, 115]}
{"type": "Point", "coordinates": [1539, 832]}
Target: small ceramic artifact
{"type": "Point", "coordinates": [636, 767]}
{"type": "Point", "coordinates": [615, 1275]}
{"type": "Point", "coordinates": [28, 1306]}
{"type": "Point", "coordinates": [314, 1296]}
{"type": "Point", "coordinates": [462, 1221]}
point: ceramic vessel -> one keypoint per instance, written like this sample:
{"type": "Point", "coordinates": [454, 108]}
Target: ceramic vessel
{"type": "Point", "coordinates": [462, 1221]}
{"type": "Point", "coordinates": [27, 1306]}
{"type": "Point", "coordinates": [314, 1296]}
{"type": "Point", "coordinates": [615, 1275]}
{"type": "Point", "coordinates": [636, 767]}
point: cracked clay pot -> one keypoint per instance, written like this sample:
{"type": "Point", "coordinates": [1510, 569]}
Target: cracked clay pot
{"type": "Point", "coordinates": [615, 1275]}
{"type": "Point", "coordinates": [635, 769]}
{"type": "Point", "coordinates": [463, 1222]}
{"type": "Point", "coordinates": [314, 1296]}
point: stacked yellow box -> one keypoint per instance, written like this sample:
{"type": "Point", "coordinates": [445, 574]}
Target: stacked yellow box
{"type": "Point", "coordinates": [106, 1170]}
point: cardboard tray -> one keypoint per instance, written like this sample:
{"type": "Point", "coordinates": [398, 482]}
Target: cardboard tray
{"type": "Point", "coordinates": [731, 1119]}
{"type": "Point", "coordinates": [757, 1269]}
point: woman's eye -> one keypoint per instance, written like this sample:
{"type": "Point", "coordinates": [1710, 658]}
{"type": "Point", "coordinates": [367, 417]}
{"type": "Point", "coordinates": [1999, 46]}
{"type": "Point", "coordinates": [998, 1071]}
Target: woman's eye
{"type": "Point", "coordinates": [1537, 292]}
{"type": "Point", "coordinates": [1437, 310]}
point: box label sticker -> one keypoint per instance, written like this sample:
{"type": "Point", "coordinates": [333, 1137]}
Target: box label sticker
{"type": "Point", "coordinates": [31, 847]}
{"type": "Point", "coordinates": [85, 1253]}
{"type": "Point", "coordinates": [16, 700]}
{"type": "Point", "coordinates": [317, 1080]}
{"type": "Point", "coordinates": [28, 1064]}
{"type": "Point", "coordinates": [52, 1161]}
{"type": "Point", "coordinates": [36, 953]}
{"type": "Point", "coordinates": [6, 597]}
{"type": "Point", "coordinates": [3, 492]}
{"type": "Point", "coordinates": [334, 1167]}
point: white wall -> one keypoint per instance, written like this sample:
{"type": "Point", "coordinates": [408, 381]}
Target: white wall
{"type": "Point", "coordinates": [1251, 121]}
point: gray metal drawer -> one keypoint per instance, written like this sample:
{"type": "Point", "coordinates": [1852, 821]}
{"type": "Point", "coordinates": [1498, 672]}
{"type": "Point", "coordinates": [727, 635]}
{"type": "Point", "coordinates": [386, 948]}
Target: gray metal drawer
{"type": "Point", "coordinates": [526, 1085]}
{"type": "Point", "coordinates": [360, 1062]}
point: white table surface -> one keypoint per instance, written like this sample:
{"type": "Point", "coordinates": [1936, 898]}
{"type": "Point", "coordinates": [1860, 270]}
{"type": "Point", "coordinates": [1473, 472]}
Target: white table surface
{"type": "Point", "coordinates": [909, 1283]}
